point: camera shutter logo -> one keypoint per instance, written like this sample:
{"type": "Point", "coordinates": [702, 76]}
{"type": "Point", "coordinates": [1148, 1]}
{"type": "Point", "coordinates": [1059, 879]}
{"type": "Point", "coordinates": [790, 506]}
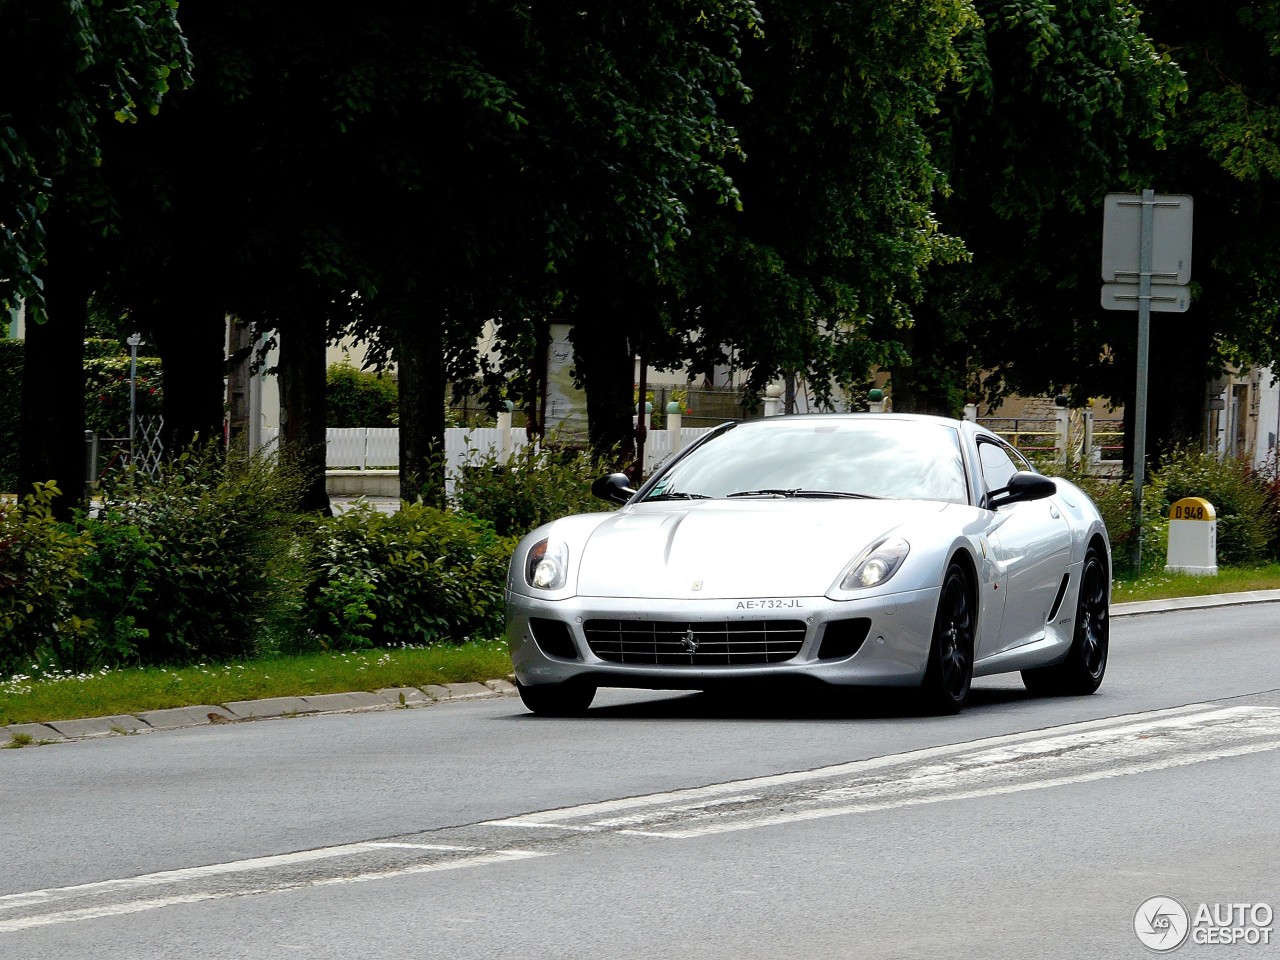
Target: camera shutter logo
{"type": "Point", "coordinates": [1162, 924]}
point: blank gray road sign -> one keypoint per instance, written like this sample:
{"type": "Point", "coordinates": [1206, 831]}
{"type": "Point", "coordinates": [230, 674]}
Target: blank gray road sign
{"type": "Point", "coordinates": [1170, 240]}
{"type": "Point", "coordinates": [1164, 298]}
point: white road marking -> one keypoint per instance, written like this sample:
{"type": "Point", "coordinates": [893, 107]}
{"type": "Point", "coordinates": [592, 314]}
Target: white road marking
{"type": "Point", "coordinates": [13, 900]}
{"type": "Point", "coordinates": [799, 816]}
{"type": "Point", "coordinates": [379, 845]}
{"type": "Point", "coordinates": [140, 906]}
{"type": "Point", "coordinates": [497, 856]}
{"type": "Point", "coordinates": [597, 813]}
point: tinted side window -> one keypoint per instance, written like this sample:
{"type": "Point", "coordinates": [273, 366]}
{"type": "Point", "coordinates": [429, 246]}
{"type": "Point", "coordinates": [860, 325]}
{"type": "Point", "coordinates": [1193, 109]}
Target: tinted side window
{"type": "Point", "coordinates": [997, 465]}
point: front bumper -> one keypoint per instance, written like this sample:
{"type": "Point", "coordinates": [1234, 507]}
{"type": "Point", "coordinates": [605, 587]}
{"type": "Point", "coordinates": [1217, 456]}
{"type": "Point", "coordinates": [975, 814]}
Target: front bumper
{"type": "Point", "coordinates": [894, 652]}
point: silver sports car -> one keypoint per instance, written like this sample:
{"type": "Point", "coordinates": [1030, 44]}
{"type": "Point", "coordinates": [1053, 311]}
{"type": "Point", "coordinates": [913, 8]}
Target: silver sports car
{"type": "Point", "coordinates": [847, 550]}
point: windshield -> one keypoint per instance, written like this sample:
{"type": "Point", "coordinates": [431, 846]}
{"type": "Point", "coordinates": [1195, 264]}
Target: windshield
{"type": "Point", "coordinates": [813, 456]}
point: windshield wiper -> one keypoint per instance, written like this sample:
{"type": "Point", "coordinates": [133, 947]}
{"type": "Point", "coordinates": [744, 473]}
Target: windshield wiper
{"type": "Point", "coordinates": [800, 492]}
{"type": "Point", "coordinates": [676, 495]}
{"type": "Point", "coordinates": [843, 494]}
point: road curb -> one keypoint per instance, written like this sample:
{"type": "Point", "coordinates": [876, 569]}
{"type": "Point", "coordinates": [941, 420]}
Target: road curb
{"type": "Point", "coordinates": [1137, 607]}
{"type": "Point", "coordinates": [242, 711]}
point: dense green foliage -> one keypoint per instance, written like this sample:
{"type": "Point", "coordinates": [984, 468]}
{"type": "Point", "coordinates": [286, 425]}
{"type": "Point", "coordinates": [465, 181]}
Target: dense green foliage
{"type": "Point", "coordinates": [40, 565]}
{"type": "Point", "coordinates": [420, 575]}
{"type": "Point", "coordinates": [199, 563]}
{"type": "Point", "coordinates": [1052, 99]}
{"type": "Point", "coordinates": [107, 393]}
{"type": "Point", "coordinates": [212, 561]}
{"type": "Point", "coordinates": [359, 398]}
{"type": "Point", "coordinates": [809, 188]}
{"type": "Point", "coordinates": [79, 64]}
{"type": "Point", "coordinates": [1247, 521]}
{"type": "Point", "coordinates": [535, 487]}
{"type": "Point", "coordinates": [819, 272]}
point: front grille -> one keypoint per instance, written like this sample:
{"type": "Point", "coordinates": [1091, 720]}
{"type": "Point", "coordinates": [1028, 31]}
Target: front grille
{"type": "Point", "coordinates": [679, 643]}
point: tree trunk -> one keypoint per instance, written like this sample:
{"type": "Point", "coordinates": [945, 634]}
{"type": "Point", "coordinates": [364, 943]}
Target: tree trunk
{"type": "Point", "coordinates": [420, 362]}
{"type": "Point", "coordinates": [191, 341]}
{"type": "Point", "coordinates": [605, 363]}
{"type": "Point", "coordinates": [934, 380]}
{"type": "Point", "coordinates": [51, 440]}
{"type": "Point", "coordinates": [303, 336]}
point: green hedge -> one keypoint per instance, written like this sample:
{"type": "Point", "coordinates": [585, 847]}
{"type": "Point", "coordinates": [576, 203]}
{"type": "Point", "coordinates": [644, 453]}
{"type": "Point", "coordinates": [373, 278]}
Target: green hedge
{"type": "Point", "coordinates": [356, 398]}
{"type": "Point", "coordinates": [107, 393]}
{"type": "Point", "coordinates": [420, 575]}
{"type": "Point", "coordinates": [40, 567]}
{"type": "Point", "coordinates": [535, 486]}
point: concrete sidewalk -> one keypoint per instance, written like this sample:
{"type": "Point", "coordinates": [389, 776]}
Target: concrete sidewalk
{"type": "Point", "coordinates": [395, 698]}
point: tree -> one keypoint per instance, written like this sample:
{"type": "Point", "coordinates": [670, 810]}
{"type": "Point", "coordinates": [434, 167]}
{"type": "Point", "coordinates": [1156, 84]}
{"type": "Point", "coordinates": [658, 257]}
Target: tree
{"type": "Point", "coordinates": [78, 63]}
{"type": "Point", "coordinates": [1223, 147]}
{"type": "Point", "coordinates": [1036, 132]}
{"type": "Point", "coordinates": [618, 130]}
{"type": "Point", "coordinates": [81, 65]}
{"type": "Point", "coordinates": [819, 272]}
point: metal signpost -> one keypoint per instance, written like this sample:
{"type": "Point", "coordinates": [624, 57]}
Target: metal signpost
{"type": "Point", "coordinates": [1146, 266]}
{"type": "Point", "coordinates": [134, 341]}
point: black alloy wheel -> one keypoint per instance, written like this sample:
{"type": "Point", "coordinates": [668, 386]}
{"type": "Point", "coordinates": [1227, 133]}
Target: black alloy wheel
{"type": "Point", "coordinates": [1080, 672]}
{"type": "Point", "coordinates": [949, 673]}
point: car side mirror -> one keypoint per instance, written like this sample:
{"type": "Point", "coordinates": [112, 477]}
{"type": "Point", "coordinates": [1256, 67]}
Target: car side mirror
{"type": "Point", "coordinates": [614, 488]}
{"type": "Point", "coordinates": [1023, 486]}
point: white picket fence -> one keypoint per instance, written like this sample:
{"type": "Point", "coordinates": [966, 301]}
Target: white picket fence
{"type": "Point", "coordinates": [378, 448]}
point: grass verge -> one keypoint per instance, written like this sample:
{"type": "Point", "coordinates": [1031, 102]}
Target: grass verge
{"type": "Point", "coordinates": [134, 691]}
{"type": "Point", "coordinates": [1164, 586]}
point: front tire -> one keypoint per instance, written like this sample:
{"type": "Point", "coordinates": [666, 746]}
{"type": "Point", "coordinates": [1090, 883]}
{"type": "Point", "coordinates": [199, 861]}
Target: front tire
{"type": "Point", "coordinates": [1080, 672]}
{"type": "Point", "coordinates": [949, 673]}
{"type": "Point", "coordinates": [557, 699]}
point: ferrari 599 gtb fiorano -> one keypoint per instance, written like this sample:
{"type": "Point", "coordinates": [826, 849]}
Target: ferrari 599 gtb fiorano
{"type": "Point", "coordinates": [847, 550]}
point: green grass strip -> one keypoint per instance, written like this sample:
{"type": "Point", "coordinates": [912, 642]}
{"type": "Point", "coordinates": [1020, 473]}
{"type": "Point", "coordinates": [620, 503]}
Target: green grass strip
{"type": "Point", "coordinates": [1165, 586]}
{"type": "Point", "coordinates": [134, 691]}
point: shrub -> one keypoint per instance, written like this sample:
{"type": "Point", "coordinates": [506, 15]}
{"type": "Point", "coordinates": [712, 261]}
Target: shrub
{"type": "Point", "coordinates": [40, 564]}
{"type": "Point", "coordinates": [534, 487]}
{"type": "Point", "coordinates": [113, 594]}
{"type": "Point", "coordinates": [201, 563]}
{"type": "Point", "coordinates": [421, 575]}
{"type": "Point", "coordinates": [1246, 520]}
{"type": "Point", "coordinates": [1267, 477]}
{"type": "Point", "coordinates": [106, 393]}
{"type": "Point", "coordinates": [357, 398]}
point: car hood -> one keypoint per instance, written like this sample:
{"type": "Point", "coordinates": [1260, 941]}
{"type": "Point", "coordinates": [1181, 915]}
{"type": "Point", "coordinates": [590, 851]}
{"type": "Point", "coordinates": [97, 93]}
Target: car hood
{"type": "Point", "coordinates": [718, 549]}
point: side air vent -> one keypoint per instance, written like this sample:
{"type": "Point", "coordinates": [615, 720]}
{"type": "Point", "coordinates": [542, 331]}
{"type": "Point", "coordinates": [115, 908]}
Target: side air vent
{"type": "Point", "coordinates": [843, 638]}
{"type": "Point", "coordinates": [1057, 601]}
{"type": "Point", "coordinates": [553, 638]}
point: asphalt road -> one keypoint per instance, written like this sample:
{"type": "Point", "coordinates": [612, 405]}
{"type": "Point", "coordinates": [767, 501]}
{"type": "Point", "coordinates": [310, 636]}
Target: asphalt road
{"type": "Point", "coordinates": [672, 825]}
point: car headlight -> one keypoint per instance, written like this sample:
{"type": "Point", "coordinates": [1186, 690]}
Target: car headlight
{"type": "Point", "coordinates": [547, 566]}
{"type": "Point", "coordinates": [877, 564]}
